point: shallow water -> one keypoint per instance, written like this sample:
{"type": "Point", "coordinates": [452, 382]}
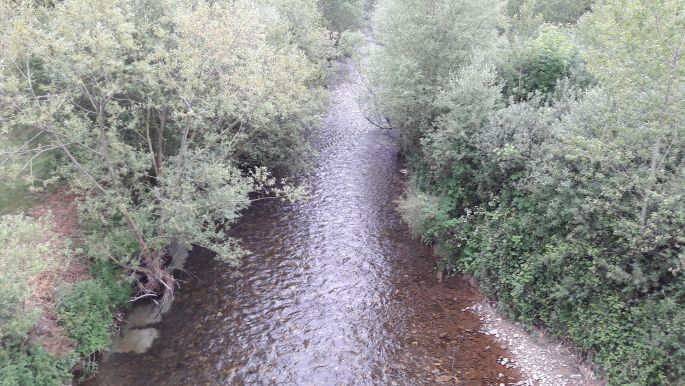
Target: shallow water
{"type": "Point", "coordinates": [335, 292]}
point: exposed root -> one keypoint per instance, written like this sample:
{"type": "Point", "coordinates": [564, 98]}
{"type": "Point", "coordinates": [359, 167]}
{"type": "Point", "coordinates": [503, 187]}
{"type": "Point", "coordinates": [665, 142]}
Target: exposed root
{"type": "Point", "coordinates": [155, 280]}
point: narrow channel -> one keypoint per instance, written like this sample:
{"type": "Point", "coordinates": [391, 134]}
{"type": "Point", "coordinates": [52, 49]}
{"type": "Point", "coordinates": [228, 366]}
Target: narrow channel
{"type": "Point", "coordinates": [335, 291]}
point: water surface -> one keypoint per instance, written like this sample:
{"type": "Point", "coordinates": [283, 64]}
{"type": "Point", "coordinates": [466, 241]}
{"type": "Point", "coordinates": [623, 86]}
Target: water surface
{"type": "Point", "coordinates": [335, 292]}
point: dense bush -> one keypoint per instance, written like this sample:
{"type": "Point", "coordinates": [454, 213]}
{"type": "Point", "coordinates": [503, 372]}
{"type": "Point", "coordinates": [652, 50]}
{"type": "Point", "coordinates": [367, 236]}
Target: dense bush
{"type": "Point", "coordinates": [33, 366]}
{"type": "Point", "coordinates": [342, 15]}
{"type": "Point", "coordinates": [25, 241]}
{"type": "Point", "coordinates": [537, 65]}
{"type": "Point", "coordinates": [420, 45]}
{"type": "Point", "coordinates": [551, 11]}
{"type": "Point", "coordinates": [350, 42]}
{"type": "Point", "coordinates": [548, 162]}
{"type": "Point", "coordinates": [87, 309]}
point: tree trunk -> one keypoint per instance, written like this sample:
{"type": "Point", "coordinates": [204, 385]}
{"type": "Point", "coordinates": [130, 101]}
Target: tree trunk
{"type": "Point", "coordinates": [160, 139]}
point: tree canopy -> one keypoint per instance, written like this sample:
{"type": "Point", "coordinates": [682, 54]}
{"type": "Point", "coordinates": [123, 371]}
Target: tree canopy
{"type": "Point", "coordinates": [168, 115]}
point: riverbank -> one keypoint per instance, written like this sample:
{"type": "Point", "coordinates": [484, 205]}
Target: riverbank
{"type": "Point", "coordinates": [530, 168]}
{"type": "Point", "coordinates": [66, 269]}
{"type": "Point", "coordinates": [68, 303]}
{"type": "Point", "coordinates": [334, 291]}
{"type": "Point", "coordinates": [541, 360]}
{"type": "Point", "coordinates": [339, 274]}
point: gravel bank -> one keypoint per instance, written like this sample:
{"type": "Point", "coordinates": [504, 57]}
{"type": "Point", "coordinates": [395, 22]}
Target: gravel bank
{"type": "Point", "coordinates": [541, 361]}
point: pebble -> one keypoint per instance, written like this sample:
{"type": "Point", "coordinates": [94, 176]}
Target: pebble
{"type": "Point", "coordinates": [527, 355]}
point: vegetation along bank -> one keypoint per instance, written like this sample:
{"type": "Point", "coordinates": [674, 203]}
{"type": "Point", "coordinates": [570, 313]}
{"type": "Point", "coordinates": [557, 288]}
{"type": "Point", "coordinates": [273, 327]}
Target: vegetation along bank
{"type": "Point", "coordinates": [154, 122]}
{"type": "Point", "coordinates": [546, 151]}
{"type": "Point", "coordinates": [544, 141]}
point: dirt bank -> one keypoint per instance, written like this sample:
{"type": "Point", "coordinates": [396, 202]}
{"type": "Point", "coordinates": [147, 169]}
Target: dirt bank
{"type": "Point", "coordinates": [61, 212]}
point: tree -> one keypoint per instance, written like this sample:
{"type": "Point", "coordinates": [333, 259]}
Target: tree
{"type": "Point", "coordinates": [421, 44]}
{"type": "Point", "coordinates": [453, 148]}
{"type": "Point", "coordinates": [647, 80]}
{"type": "Point", "coordinates": [342, 15]}
{"type": "Point", "coordinates": [169, 114]}
{"type": "Point", "coordinates": [550, 11]}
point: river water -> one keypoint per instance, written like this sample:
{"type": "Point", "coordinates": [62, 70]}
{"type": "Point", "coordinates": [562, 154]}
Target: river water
{"type": "Point", "coordinates": [335, 292]}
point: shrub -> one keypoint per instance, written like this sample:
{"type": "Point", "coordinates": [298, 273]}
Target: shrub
{"type": "Point", "coordinates": [342, 15]}
{"type": "Point", "coordinates": [87, 309]}
{"type": "Point", "coordinates": [33, 366]}
{"type": "Point", "coordinates": [537, 65]}
{"type": "Point", "coordinates": [24, 242]}
{"type": "Point", "coordinates": [350, 41]}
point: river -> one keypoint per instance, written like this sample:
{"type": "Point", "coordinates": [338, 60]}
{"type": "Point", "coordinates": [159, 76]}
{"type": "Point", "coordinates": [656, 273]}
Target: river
{"type": "Point", "coordinates": [335, 291]}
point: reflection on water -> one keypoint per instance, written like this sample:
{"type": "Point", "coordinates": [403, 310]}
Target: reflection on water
{"type": "Point", "coordinates": [336, 292]}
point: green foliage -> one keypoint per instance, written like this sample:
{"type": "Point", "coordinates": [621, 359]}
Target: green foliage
{"type": "Point", "coordinates": [420, 45]}
{"type": "Point", "coordinates": [302, 22]}
{"type": "Point", "coordinates": [25, 242]}
{"type": "Point", "coordinates": [342, 15]}
{"type": "Point", "coordinates": [168, 116]}
{"type": "Point", "coordinates": [449, 150]}
{"type": "Point", "coordinates": [537, 65]}
{"type": "Point", "coordinates": [350, 41]}
{"type": "Point", "coordinates": [565, 197]}
{"type": "Point", "coordinates": [19, 194]}
{"type": "Point", "coordinates": [369, 5]}
{"type": "Point", "coordinates": [549, 11]}
{"type": "Point", "coordinates": [33, 366]}
{"type": "Point", "coordinates": [87, 309]}
{"type": "Point", "coordinates": [87, 314]}
{"type": "Point", "coordinates": [426, 216]}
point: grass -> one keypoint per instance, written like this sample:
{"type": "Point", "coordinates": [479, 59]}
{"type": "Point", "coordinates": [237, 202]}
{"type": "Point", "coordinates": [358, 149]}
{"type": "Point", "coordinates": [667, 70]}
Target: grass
{"type": "Point", "coordinates": [17, 196]}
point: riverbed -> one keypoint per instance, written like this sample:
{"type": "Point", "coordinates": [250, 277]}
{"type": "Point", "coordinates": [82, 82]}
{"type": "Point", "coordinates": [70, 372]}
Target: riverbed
{"type": "Point", "coordinates": [335, 291]}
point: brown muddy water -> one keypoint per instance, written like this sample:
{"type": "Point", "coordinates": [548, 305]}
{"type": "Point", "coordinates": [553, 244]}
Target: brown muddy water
{"type": "Point", "coordinates": [335, 292]}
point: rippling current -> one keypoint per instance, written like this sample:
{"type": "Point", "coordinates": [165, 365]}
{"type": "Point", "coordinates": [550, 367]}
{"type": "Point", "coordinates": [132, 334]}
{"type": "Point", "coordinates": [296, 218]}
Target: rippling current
{"type": "Point", "coordinates": [335, 292]}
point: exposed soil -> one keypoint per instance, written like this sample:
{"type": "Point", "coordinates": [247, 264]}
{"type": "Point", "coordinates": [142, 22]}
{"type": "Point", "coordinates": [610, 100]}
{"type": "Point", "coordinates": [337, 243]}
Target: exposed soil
{"type": "Point", "coordinates": [61, 211]}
